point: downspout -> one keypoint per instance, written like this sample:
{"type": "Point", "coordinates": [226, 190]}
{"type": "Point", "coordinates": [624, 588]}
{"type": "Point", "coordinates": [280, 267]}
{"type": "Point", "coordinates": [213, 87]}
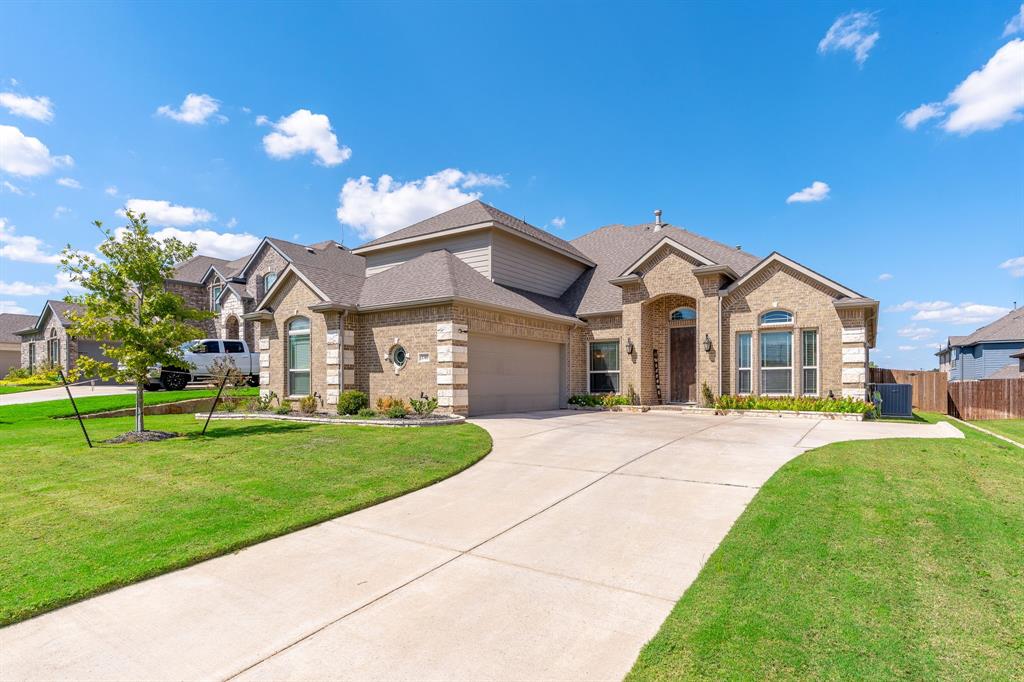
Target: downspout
{"type": "Point", "coordinates": [720, 357]}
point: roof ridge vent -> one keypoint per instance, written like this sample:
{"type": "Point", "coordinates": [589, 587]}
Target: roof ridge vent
{"type": "Point", "coordinates": [310, 249]}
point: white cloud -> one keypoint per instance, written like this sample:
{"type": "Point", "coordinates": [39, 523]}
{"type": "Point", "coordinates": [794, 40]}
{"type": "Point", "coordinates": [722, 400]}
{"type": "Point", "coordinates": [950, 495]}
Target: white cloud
{"type": "Point", "coordinates": [111, 191]}
{"type": "Point", "coordinates": [232, 224]}
{"type": "Point", "coordinates": [229, 245]}
{"type": "Point", "coordinates": [856, 32]}
{"type": "Point", "coordinates": [13, 189]}
{"type": "Point", "coordinates": [262, 120]}
{"type": "Point", "coordinates": [61, 284]}
{"type": "Point", "coordinates": [885, 277]}
{"type": "Point", "coordinates": [60, 211]}
{"type": "Point", "coordinates": [1015, 266]}
{"type": "Point", "coordinates": [1015, 24]}
{"type": "Point", "coordinates": [558, 222]}
{"type": "Point", "coordinates": [70, 183]}
{"type": "Point", "coordinates": [376, 209]}
{"type": "Point", "coordinates": [965, 313]}
{"type": "Point", "coordinates": [27, 156]}
{"type": "Point", "coordinates": [23, 248]}
{"type": "Point", "coordinates": [925, 112]}
{"type": "Point", "coordinates": [906, 348]}
{"type": "Point", "coordinates": [818, 191]}
{"type": "Point", "coordinates": [194, 110]}
{"type": "Point", "coordinates": [916, 333]}
{"type": "Point", "coordinates": [161, 212]}
{"type": "Point", "coordinates": [918, 305]}
{"type": "Point", "coordinates": [987, 99]}
{"type": "Point", "coordinates": [484, 180]}
{"type": "Point", "coordinates": [12, 307]}
{"type": "Point", "coordinates": [303, 132]}
{"type": "Point", "coordinates": [38, 108]}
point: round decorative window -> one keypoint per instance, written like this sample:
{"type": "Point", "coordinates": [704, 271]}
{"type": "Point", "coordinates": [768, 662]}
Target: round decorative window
{"type": "Point", "coordinates": [398, 356]}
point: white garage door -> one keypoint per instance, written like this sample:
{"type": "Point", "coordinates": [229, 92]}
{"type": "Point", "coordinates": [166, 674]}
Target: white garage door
{"type": "Point", "coordinates": [513, 375]}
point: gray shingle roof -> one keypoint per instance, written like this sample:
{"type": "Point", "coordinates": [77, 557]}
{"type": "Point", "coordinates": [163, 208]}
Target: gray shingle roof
{"type": "Point", "coordinates": [62, 309]}
{"type": "Point", "coordinates": [439, 275]}
{"type": "Point", "coordinates": [615, 247]}
{"type": "Point", "coordinates": [13, 322]}
{"type": "Point", "coordinates": [196, 267]}
{"type": "Point", "coordinates": [473, 213]}
{"type": "Point", "coordinates": [1010, 327]}
{"type": "Point", "coordinates": [1011, 371]}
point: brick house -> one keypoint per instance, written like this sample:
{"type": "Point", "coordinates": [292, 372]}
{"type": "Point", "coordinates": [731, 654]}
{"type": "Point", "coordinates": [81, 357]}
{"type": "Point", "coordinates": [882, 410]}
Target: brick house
{"type": "Point", "coordinates": [48, 341]}
{"type": "Point", "coordinates": [492, 314]}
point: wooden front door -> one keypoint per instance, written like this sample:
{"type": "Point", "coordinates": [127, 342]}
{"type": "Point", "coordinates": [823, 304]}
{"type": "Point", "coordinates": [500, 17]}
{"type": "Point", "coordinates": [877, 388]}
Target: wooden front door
{"type": "Point", "coordinates": [683, 360]}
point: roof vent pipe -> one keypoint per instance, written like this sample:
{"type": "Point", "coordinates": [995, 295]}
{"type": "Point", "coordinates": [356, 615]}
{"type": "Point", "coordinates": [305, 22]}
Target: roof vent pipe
{"type": "Point", "coordinates": [657, 219]}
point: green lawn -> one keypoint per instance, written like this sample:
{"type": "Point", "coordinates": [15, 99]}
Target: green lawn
{"type": "Point", "coordinates": [74, 521]}
{"type": "Point", "coordinates": [864, 560]}
{"type": "Point", "coordinates": [4, 390]}
{"type": "Point", "coordinates": [13, 414]}
{"type": "Point", "coordinates": [1011, 428]}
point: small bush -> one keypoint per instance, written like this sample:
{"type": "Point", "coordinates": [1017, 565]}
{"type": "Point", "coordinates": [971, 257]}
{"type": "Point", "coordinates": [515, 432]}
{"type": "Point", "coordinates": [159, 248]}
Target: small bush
{"type": "Point", "coordinates": [261, 403]}
{"type": "Point", "coordinates": [225, 369]}
{"type": "Point", "coordinates": [307, 404]}
{"type": "Point", "coordinates": [366, 413]}
{"type": "Point", "coordinates": [794, 404]}
{"type": "Point", "coordinates": [385, 402]}
{"type": "Point", "coordinates": [283, 408]}
{"type": "Point", "coordinates": [423, 407]}
{"type": "Point", "coordinates": [708, 395]}
{"type": "Point", "coordinates": [599, 399]}
{"type": "Point", "coordinates": [396, 411]}
{"type": "Point", "coordinates": [350, 402]}
{"type": "Point", "coordinates": [17, 373]}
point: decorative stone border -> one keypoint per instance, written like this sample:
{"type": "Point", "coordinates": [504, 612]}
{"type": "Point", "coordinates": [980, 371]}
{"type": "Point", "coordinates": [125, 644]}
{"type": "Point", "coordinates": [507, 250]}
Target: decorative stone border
{"type": "Point", "coordinates": [189, 406]}
{"type": "Point", "coordinates": [445, 420]}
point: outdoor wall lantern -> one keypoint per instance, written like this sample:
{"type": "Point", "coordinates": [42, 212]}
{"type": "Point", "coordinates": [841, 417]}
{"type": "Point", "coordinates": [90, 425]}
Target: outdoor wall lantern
{"type": "Point", "coordinates": [629, 346]}
{"type": "Point", "coordinates": [707, 343]}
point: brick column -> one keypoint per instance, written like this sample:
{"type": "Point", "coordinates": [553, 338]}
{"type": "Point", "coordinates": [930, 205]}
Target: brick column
{"type": "Point", "coordinates": [453, 367]}
{"type": "Point", "coordinates": [855, 362]}
{"type": "Point", "coordinates": [332, 351]}
{"type": "Point", "coordinates": [263, 347]}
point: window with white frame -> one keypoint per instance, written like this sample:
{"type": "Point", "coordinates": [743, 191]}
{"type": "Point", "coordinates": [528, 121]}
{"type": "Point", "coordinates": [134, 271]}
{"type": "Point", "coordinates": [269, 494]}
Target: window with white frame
{"type": "Point", "coordinates": [809, 347]}
{"type": "Point", "coordinates": [32, 358]}
{"type": "Point", "coordinates": [604, 366]}
{"type": "Point", "coordinates": [776, 363]}
{"type": "Point", "coordinates": [53, 348]}
{"type": "Point", "coordinates": [299, 356]}
{"type": "Point", "coordinates": [743, 366]}
{"type": "Point", "coordinates": [215, 297]}
{"type": "Point", "coordinates": [777, 317]}
{"type": "Point", "coordinates": [268, 281]}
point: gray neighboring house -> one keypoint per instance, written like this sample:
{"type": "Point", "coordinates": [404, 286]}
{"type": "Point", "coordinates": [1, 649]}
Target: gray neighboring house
{"type": "Point", "coordinates": [990, 352]}
{"type": "Point", "coordinates": [10, 342]}
{"type": "Point", "coordinates": [47, 341]}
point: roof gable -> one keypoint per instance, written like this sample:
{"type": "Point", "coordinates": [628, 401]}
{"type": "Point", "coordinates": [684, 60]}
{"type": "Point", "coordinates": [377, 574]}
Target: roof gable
{"type": "Point", "coordinates": [776, 257]}
{"type": "Point", "coordinates": [665, 242]}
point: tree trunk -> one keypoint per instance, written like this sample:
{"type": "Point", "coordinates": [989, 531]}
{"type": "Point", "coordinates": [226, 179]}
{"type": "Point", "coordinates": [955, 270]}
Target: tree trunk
{"type": "Point", "coordinates": [139, 421]}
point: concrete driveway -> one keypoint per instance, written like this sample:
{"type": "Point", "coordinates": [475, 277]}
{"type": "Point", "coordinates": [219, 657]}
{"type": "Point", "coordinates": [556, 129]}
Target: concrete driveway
{"type": "Point", "coordinates": [556, 557]}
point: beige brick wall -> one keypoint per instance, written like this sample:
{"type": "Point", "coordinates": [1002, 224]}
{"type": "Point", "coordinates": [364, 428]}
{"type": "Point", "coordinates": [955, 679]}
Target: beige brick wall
{"type": "Point", "coordinates": [196, 296]}
{"type": "Point", "coordinates": [812, 306]}
{"type": "Point", "coordinates": [294, 302]}
{"type": "Point", "coordinates": [599, 328]}
{"type": "Point", "coordinates": [68, 345]}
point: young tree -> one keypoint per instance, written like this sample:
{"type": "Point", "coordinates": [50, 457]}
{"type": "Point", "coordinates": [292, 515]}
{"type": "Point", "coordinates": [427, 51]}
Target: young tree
{"type": "Point", "coordinates": [126, 304]}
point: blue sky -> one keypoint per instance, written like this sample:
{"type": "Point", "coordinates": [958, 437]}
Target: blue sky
{"type": "Point", "coordinates": [878, 144]}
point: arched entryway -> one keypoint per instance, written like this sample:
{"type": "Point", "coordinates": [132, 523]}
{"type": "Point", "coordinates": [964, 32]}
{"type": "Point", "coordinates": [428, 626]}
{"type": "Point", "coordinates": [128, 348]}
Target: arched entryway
{"type": "Point", "coordinates": [231, 328]}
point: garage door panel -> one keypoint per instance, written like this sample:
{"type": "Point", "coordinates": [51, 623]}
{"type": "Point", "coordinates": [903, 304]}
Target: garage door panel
{"type": "Point", "coordinates": [513, 375]}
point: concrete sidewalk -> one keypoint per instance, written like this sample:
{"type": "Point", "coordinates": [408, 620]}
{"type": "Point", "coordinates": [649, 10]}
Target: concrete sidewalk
{"type": "Point", "coordinates": [45, 394]}
{"type": "Point", "coordinates": [556, 557]}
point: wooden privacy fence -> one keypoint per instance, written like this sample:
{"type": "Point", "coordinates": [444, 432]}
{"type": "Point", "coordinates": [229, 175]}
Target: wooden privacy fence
{"type": "Point", "coordinates": [929, 386]}
{"type": "Point", "coordinates": [987, 399]}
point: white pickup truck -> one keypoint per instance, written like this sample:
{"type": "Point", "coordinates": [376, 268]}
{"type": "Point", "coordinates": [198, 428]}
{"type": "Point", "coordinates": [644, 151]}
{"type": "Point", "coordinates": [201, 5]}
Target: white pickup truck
{"type": "Point", "coordinates": [201, 354]}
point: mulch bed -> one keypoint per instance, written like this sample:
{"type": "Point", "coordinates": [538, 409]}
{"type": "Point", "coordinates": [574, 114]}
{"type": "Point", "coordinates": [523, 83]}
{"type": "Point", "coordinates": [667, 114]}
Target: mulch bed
{"type": "Point", "coordinates": [144, 437]}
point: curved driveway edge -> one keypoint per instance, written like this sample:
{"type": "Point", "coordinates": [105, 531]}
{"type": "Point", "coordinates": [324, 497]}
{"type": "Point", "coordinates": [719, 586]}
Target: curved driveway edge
{"type": "Point", "coordinates": [556, 557]}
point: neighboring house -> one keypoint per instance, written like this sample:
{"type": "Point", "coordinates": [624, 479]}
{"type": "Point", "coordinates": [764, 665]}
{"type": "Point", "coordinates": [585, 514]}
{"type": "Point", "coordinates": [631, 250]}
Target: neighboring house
{"type": "Point", "coordinates": [985, 352]}
{"type": "Point", "coordinates": [10, 343]}
{"type": "Point", "coordinates": [46, 342]}
{"type": "Point", "coordinates": [492, 314]}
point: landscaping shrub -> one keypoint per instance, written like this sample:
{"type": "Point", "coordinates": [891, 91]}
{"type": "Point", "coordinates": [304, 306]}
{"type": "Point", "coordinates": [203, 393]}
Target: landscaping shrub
{"type": "Point", "coordinates": [423, 407]}
{"type": "Point", "coordinates": [283, 408]}
{"type": "Point", "coordinates": [307, 404]}
{"type": "Point", "coordinates": [17, 373]}
{"type": "Point", "coordinates": [351, 402]}
{"type": "Point", "coordinates": [45, 375]}
{"type": "Point", "coordinates": [708, 395]}
{"type": "Point", "coordinates": [396, 411]}
{"type": "Point", "coordinates": [261, 403]}
{"type": "Point", "coordinates": [599, 399]}
{"type": "Point", "coordinates": [366, 413]}
{"type": "Point", "coordinates": [386, 402]}
{"type": "Point", "coordinates": [794, 404]}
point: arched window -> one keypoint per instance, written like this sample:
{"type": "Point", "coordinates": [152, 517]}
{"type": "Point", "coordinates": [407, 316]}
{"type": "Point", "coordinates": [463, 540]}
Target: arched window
{"type": "Point", "coordinates": [53, 348]}
{"type": "Point", "coordinates": [268, 281]}
{"type": "Point", "coordinates": [777, 317]}
{"type": "Point", "coordinates": [299, 356]}
{"type": "Point", "coordinates": [684, 313]}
